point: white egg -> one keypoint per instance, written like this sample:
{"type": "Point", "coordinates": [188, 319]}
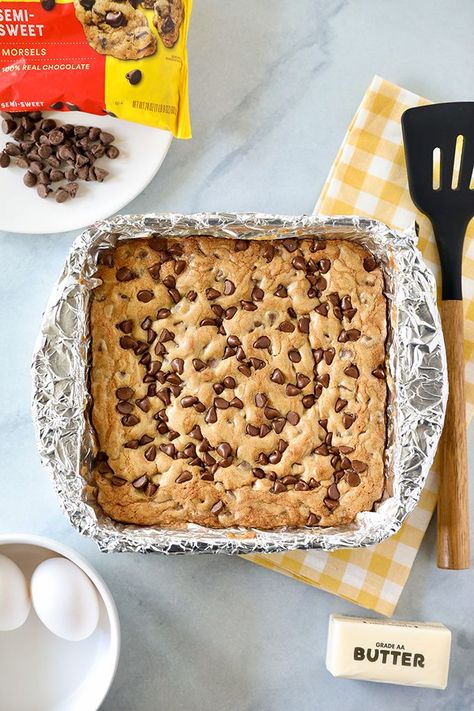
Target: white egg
{"type": "Point", "coordinates": [14, 597]}
{"type": "Point", "coordinates": [65, 599]}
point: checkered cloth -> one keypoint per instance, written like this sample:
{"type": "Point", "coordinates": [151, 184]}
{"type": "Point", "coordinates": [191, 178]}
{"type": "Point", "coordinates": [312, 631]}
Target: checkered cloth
{"type": "Point", "coordinates": [369, 178]}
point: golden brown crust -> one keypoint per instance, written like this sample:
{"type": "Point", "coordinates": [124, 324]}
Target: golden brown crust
{"type": "Point", "coordinates": [327, 485]}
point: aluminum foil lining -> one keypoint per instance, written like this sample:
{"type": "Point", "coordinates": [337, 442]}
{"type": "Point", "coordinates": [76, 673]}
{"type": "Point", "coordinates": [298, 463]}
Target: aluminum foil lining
{"type": "Point", "coordinates": [416, 365]}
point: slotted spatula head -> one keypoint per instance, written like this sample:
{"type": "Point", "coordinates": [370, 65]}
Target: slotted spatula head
{"type": "Point", "coordinates": [439, 152]}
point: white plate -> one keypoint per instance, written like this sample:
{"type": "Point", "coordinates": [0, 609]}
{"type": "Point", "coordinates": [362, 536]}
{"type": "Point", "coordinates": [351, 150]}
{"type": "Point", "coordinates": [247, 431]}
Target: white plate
{"type": "Point", "coordinates": [142, 150]}
{"type": "Point", "coordinates": [41, 672]}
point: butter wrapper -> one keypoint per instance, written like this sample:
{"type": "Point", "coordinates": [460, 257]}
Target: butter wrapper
{"type": "Point", "coordinates": [390, 652]}
{"type": "Point", "coordinates": [416, 376]}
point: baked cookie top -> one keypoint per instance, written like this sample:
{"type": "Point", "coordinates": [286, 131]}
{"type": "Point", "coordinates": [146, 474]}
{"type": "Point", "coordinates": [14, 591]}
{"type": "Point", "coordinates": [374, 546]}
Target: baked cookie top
{"type": "Point", "coordinates": [238, 383]}
{"type": "Point", "coordinates": [116, 28]}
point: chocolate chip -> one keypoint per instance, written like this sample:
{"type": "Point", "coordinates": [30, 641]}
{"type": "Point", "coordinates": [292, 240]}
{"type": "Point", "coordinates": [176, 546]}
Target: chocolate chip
{"type": "Point", "coordinates": [288, 480]}
{"type": "Point", "coordinates": [115, 19]}
{"type": "Point", "coordinates": [352, 334]}
{"type": "Point", "coordinates": [248, 305]}
{"type": "Point", "coordinates": [124, 393]}
{"type": "Point", "coordinates": [164, 395]}
{"type": "Point", "coordinates": [324, 265]}
{"type": "Point", "coordinates": [278, 424]}
{"type": "Point", "coordinates": [301, 486]}
{"type": "Point", "coordinates": [56, 137]}
{"type": "Point", "coordinates": [302, 380]}
{"type": "Point", "coordinates": [264, 430]}
{"type": "Point", "coordinates": [43, 191]}
{"type": "Point", "coordinates": [318, 355]}
{"type": "Point", "coordinates": [189, 401]}
{"type": "Point", "coordinates": [262, 342]}
{"type": "Point", "coordinates": [61, 195]}
{"type": "Point", "coordinates": [229, 287]}
{"type": "Point", "coordinates": [166, 335]}
{"type": "Point", "coordinates": [145, 296]}
{"type": "Point", "coordinates": [217, 508]}
{"type": "Point", "coordinates": [291, 312]}
{"type": "Point", "coordinates": [4, 160]}
{"type": "Point", "coordinates": [261, 399]}
{"type": "Point", "coordinates": [212, 294]}
{"type": "Point", "coordinates": [245, 370]}
{"type": "Point", "coordinates": [143, 404]}
{"type": "Point", "coordinates": [271, 412]}
{"type": "Point", "coordinates": [348, 420]}
{"type": "Point", "coordinates": [168, 449]}
{"type": "Point", "coordinates": [303, 324]}
{"type": "Point", "coordinates": [322, 450]}
{"type": "Point", "coordinates": [224, 450]}
{"type": "Point", "coordinates": [130, 420]}
{"type": "Point", "coordinates": [313, 520]}
{"type": "Point", "coordinates": [292, 390]}
{"type": "Point", "coordinates": [220, 403]}
{"type": "Point", "coordinates": [132, 444]}
{"type": "Point", "coordinates": [127, 342]}
{"type": "Point", "coordinates": [294, 355]}
{"type": "Point", "coordinates": [340, 404]}
{"type": "Point", "coordinates": [293, 417]}
{"type": "Point", "coordinates": [324, 424]}
{"type": "Point", "coordinates": [333, 492]}
{"type": "Point", "coordinates": [183, 477]}
{"type": "Point", "coordinates": [352, 371]}
{"type": "Point", "coordinates": [29, 179]}
{"type": "Point", "coordinates": [125, 274]}
{"type": "Point", "coordinates": [359, 466]}
{"type": "Point", "coordinates": [379, 372]}
{"type": "Point", "coordinates": [252, 430]}
{"type": "Point", "coordinates": [236, 402]}
{"type": "Point", "coordinates": [281, 291]}
{"type": "Point", "coordinates": [257, 363]}
{"type": "Point", "coordinates": [322, 309]}
{"type": "Point", "coordinates": [290, 244]}
{"type": "Point", "coordinates": [370, 263]}
{"type": "Point", "coordinates": [175, 295]}
{"type": "Point", "coordinates": [278, 488]}
{"type": "Point", "coordinates": [324, 380]}
{"type": "Point", "coordinates": [150, 453]}
{"type": "Point", "coordinates": [124, 407]}
{"type": "Point", "coordinates": [329, 354]}
{"type": "Point", "coordinates": [230, 312]}
{"type": "Point", "coordinates": [268, 252]}
{"type": "Point", "coordinates": [8, 126]}
{"type": "Point", "coordinates": [299, 263]}
{"type": "Point", "coordinates": [229, 382]}
{"type": "Point", "coordinates": [211, 415]}
{"type": "Point", "coordinates": [218, 388]}
{"type": "Point", "coordinates": [196, 433]}
{"type": "Point", "coordinates": [321, 284]}
{"type": "Point", "coordinates": [141, 482]}
{"type": "Point", "coordinates": [286, 327]}
{"type": "Point", "coordinates": [352, 478]}
{"type": "Point", "coordinates": [134, 77]}
{"type": "Point", "coordinates": [257, 293]}
{"type": "Point", "coordinates": [258, 473]}
{"type": "Point", "coordinates": [308, 401]}
{"type": "Point", "coordinates": [277, 376]}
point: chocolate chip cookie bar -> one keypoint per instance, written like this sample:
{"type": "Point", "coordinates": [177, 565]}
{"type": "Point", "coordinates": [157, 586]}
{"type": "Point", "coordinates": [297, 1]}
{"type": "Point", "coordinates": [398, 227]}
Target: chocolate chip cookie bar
{"type": "Point", "coordinates": [238, 383]}
{"type": "Point", "coordinates": [167, 18]}
{"type": "Point", "coordinates": [116, 28]}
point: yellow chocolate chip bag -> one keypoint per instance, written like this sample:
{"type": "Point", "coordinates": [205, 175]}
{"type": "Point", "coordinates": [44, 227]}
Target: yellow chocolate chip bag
{"type": "Point", "coordinates": [127, 58]}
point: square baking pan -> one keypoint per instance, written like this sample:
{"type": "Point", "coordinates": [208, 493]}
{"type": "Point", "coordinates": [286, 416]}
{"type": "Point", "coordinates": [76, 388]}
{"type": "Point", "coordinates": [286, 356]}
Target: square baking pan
{"type": "Point", "coordinates": [415, 365]}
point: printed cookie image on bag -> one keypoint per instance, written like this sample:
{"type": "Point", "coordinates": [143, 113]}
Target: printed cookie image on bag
{"type": "Point", "coordinates": [115, 28]}
{"type": "Point", "coordinates": [126, 58]}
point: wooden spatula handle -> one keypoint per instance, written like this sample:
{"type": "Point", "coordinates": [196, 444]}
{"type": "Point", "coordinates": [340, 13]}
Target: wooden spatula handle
{"type": "Point", "coordinates": [453, 510]}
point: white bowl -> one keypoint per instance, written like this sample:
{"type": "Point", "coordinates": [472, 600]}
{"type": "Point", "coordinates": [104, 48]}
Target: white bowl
{"type": "Point", "coordinates": [41, 672]}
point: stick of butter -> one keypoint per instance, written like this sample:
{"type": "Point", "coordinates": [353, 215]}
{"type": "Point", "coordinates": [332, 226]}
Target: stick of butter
{"type": "Point", "coordinates": [409, 653]}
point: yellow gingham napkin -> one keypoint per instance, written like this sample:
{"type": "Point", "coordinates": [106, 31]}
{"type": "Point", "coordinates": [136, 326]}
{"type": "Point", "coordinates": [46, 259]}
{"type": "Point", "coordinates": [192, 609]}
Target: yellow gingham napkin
{"type": "Point", "coordinates": [368, 178]}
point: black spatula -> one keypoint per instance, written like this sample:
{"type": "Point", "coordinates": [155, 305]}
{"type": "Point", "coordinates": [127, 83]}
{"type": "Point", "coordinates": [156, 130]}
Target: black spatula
{"type": "Point", "coordinates": [439, 151]}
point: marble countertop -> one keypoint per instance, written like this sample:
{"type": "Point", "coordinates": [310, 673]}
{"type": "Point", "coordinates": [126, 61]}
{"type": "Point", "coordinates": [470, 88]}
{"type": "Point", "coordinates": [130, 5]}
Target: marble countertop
{"type": "Point", "coordinates": [273, 86]}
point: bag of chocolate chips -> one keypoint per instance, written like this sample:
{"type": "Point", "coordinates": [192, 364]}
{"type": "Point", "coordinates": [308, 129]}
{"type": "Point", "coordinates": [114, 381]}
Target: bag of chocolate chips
{"type": "Point", "coordinates": [126, 58]}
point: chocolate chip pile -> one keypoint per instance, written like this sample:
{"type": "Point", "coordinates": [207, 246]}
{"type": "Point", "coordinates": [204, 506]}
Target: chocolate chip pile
{"type": "Point", "coordinates": [53, 154]}
{"type": "Point", "coordinates": [239, 383]}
